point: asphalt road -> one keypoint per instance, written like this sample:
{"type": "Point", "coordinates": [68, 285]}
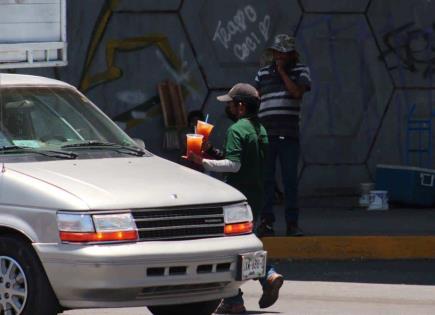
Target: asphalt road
{"type": "Point", "coordinates": [339, 288]}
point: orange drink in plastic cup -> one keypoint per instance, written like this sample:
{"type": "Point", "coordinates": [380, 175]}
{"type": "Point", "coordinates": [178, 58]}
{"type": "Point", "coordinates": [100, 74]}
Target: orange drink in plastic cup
{"type": "Point", "coordinates": [204, 129]}
{"type": "Point", "coordinates": [194, 143]}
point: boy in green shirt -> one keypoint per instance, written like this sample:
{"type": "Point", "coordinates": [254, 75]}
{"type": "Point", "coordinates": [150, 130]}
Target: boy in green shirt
{"type": "Point", "coordinates": [242, 161]}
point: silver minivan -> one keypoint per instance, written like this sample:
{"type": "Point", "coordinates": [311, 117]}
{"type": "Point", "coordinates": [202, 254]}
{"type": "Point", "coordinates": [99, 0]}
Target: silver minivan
{"type": "Point", "coordinates": [89, 218]}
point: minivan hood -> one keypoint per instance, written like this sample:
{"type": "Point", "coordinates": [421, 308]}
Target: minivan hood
{"type": "Point", "coordinates": [130, 183]}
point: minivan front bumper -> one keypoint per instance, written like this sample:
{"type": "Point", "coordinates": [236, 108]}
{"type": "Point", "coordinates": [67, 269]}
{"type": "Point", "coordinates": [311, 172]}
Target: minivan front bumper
{"type": "Point", "coordinates": [144, 273]}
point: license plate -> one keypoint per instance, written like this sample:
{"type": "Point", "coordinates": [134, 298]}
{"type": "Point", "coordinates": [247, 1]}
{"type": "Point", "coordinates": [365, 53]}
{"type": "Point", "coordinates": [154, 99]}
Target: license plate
{"type": "Point", "coordinates": [252, 265]}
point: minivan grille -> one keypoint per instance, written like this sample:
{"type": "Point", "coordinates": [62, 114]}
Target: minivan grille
{"type": "Point", "coordinates": [183, 223]}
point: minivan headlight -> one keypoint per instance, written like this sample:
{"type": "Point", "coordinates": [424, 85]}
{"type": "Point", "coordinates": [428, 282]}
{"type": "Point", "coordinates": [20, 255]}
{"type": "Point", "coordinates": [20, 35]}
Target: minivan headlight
{"type": "Point", "coordinates": [238, 219]}
{"type": "Point", "coordinates": [75, 222]}
{"type": "Point", "coordinates": [237, 213]}
{"type": "Point", "coordinates": [86, 228]}
{"type": "Point", "coordinates": [114, 222]}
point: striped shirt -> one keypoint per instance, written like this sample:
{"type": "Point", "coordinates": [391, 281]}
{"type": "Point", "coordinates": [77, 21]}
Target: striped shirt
{"type": "Point", "coordinates": [279, 111]}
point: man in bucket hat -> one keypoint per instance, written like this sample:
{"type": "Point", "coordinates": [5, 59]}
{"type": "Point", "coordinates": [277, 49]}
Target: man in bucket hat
{"type": "Point", "coordinates": [281, 86]}
{"type": "Point", "coordinates": [242, 161]}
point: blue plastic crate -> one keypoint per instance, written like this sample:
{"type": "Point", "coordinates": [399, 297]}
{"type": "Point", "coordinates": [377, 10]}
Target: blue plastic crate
{"type": "Point", "coordinates": [406, 184]}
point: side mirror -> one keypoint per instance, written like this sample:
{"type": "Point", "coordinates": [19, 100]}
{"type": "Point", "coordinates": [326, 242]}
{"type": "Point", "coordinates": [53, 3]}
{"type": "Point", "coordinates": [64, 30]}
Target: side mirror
{"type": "Point", "coordinates": [140, 143]}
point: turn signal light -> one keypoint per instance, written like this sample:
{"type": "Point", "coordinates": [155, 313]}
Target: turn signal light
{"type": "Point", "coordinates": [239, 228]}
{"type": "Point", "coordinates": [115, 236]}
{"type": "Point", "coordinates": [93, 228]}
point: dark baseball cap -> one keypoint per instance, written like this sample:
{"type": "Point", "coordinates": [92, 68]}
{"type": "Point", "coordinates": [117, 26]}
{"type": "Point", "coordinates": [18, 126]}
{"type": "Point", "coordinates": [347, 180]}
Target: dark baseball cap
{"type": "Point", "coordinates": [239, 91]}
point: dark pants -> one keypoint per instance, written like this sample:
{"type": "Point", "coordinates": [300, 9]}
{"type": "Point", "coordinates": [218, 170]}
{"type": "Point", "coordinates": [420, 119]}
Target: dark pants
{"type": "Point", "coordinates": [287, 151]}
{"type": "Point", "coordinates": [255, 199]}
{"type": "Point", "coordinates": [238, 299]}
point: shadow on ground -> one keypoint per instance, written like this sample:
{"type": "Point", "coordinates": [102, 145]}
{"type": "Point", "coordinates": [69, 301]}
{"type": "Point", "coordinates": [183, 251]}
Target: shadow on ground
{"type": "Point", "coordinates": [257, 313]}
{"type": "Point", "coordinates": [260, 312]}
{"type": "Point", "coordinates": [417, 272]}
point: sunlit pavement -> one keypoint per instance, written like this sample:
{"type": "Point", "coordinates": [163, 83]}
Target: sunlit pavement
{"type": "Point", "coordinates": [322, 298]}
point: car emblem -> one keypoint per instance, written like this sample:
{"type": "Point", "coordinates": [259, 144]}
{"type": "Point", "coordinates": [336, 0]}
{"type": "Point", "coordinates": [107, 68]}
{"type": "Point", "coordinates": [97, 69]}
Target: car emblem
{"type": "Point", "coordinates": [174, 196]}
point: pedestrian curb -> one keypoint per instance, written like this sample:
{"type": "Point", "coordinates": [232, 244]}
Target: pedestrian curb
{"type": "Point", "coordinates": [350, 247]}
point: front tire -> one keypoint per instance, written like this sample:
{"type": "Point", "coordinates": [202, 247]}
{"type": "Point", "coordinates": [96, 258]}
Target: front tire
{"type": "Point", "coordinates": [24, 286]}
{"type": "Point", "coordinates": [200, 308]}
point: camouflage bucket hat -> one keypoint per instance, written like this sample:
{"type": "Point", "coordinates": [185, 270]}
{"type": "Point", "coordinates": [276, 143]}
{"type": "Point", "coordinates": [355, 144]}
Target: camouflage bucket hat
{"type": "Point", "coordinates": [283, 43]}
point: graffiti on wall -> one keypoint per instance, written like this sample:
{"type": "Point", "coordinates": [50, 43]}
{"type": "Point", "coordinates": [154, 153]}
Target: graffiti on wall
{"type": "Point", "coordinates": [182, 74]}
{"type": "Point", "coordinates": [413, 46]}
{"type": "Point", "coordinates": [241, 24]}
{"type": "Point", "coordinates": [174, 62]}
{"type": "Point", "coordinates": [113, 46]}
{"type": "Point", "coordinates": [347, 107]}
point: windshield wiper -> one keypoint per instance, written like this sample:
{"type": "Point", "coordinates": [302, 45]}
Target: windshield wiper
{"type": "Point", "coordinates": [50, 153]}
{"type": "Point", "coordinates": [113, 146]}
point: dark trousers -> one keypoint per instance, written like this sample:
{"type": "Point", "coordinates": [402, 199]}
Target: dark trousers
{"type": "Point", "coordinates": [287, 151]}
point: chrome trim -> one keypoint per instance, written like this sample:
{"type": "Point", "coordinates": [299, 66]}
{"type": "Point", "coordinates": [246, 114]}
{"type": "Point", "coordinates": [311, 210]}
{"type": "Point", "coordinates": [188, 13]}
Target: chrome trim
{"type": "Point", "coordinates": [181, 217]}
{"type": "Point", "coordinates": [182, 237]}
{"type": "Point", "coordinates": [187, 222]}
{"type": "Point", "coordinates": [176, 227]}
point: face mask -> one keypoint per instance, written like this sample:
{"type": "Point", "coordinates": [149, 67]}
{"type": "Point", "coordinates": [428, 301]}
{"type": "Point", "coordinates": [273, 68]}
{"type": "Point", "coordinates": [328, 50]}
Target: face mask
{"type": "Point", "coordinates": [229, 114]}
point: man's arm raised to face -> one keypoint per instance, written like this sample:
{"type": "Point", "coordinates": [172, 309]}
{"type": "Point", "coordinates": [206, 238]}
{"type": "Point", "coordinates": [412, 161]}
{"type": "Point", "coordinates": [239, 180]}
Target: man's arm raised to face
{"type": "Point", "coordinates": [295, 90]}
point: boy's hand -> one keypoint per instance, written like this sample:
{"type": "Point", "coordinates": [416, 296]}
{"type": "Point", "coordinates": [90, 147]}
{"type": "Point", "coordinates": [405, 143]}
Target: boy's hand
{"type": "Point", "coordinates": [195, 158]}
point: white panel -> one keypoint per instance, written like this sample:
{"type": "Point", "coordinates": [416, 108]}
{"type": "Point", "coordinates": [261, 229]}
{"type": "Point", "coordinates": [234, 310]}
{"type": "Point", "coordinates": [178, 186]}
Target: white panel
{"type": "Point", "coordinates": [18, 56]}
{"type": "Point", "coordinates": [29, 13]}
{"type": "Point", "coordinates": [27, 1]}
{"type": "Point", "coordinates": [38, 52]}
{"type": "Point", "coordinates": [30, 32]}
{"type": "Point", "coordinates": [12, 56]}
{"type": "Point", "coordinates": [33, 65]}
{"type": "Point", "coordinates": [39, 55]}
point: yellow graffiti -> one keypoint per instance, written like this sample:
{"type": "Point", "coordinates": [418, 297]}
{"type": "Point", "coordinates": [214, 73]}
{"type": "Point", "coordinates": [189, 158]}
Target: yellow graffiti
{"type": "Point", "coordinates": [113, 46]}
{"type": "Point", "coordinates": [113, 72]}
{"type": "Point", "coordinates": [98, 34]}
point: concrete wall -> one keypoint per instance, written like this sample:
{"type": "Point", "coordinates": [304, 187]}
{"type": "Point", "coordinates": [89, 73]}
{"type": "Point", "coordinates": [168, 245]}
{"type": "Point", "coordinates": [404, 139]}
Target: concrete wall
{"type": "Point", "coordinates": [372, 65]}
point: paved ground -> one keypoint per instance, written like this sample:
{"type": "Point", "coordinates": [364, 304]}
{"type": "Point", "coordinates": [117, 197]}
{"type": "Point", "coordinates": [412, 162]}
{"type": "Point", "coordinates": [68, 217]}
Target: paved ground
{"type": "Point", "coordinates": [351, 220]}
{"type": "Point", "coordinates": [322, 298]}
{"type": "Point", "coordinates": [340, 288]}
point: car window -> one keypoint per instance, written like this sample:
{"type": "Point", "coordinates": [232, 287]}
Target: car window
{"type": "Point", "coordinates": [53, 117]}
{"type": "Point", "coordinates": [4, 141]}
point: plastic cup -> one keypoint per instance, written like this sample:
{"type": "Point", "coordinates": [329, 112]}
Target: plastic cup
{"type": "Point", "coordinates": [204, 129]}
{"type": "Point", "coordinates": [194, 143]}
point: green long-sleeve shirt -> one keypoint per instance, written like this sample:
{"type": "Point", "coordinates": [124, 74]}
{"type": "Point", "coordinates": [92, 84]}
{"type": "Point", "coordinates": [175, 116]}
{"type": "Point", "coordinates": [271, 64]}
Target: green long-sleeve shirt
{"type": "Point", "coordinates": [246, 143]}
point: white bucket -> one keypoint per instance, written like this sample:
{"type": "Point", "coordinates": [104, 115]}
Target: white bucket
{"type": "Point", "coordinates": [378, 200]}
{"type": "Point", "coordinates": [365, 188]}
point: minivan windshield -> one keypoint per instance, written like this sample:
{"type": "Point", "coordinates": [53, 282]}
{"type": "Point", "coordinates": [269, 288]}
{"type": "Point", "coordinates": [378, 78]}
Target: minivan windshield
{"type": "Point", "coordinates": [46, 118]}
